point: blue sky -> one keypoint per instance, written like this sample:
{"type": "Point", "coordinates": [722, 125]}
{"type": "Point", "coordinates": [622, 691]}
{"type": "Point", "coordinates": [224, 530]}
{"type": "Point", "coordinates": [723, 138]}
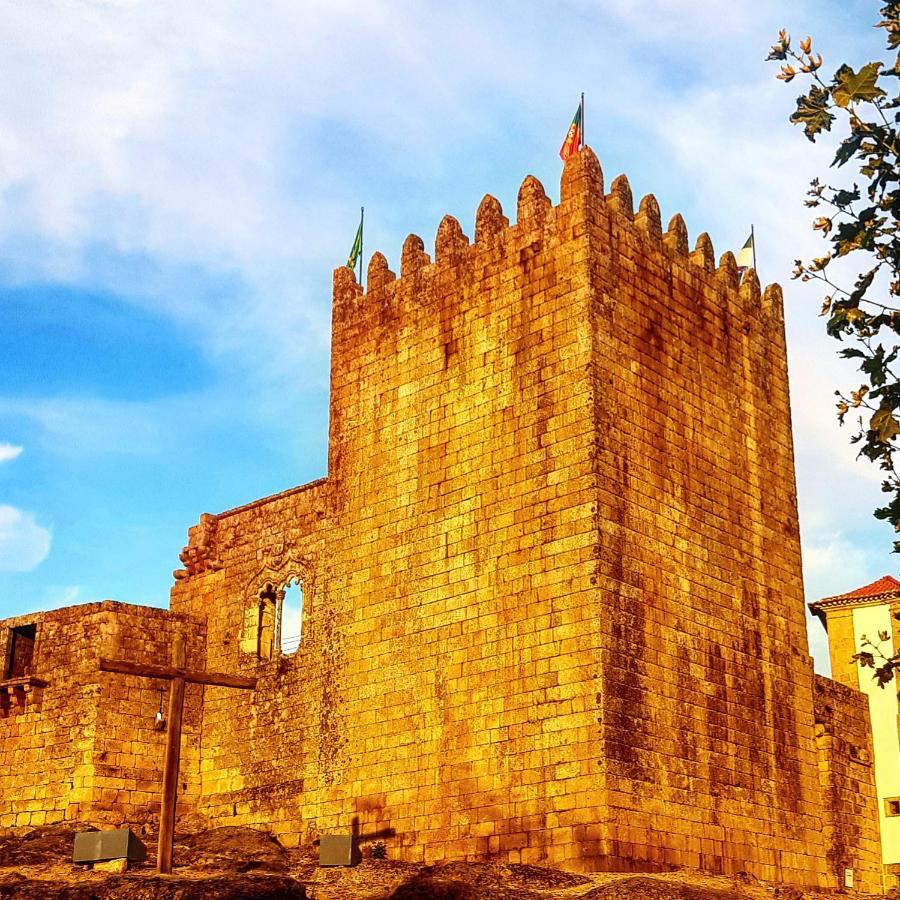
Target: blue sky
{"type": "Point", "coordinates": [177, 182]}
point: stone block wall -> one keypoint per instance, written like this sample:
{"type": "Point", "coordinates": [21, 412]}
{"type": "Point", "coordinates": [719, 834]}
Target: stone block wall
{"type": "Point", "coordinates": [850, 811]}
{"type": "Point", "coordinates": [705, 683]}
{"type": "Point", "coordinates": [84, 747]}
{"type": "Point", "coordinates": [45, 754]}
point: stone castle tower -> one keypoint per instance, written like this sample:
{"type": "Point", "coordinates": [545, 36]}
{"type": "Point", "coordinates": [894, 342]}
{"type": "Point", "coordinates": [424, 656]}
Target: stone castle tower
{"type": "Point", "coordinates": [552, 601]}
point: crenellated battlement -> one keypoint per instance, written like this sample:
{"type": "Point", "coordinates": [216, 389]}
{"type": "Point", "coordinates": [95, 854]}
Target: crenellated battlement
{"type": "Point", "coordinates": [583, 208]}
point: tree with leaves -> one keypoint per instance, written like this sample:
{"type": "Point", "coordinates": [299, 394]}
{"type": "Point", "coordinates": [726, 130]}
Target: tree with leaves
{"type": "Point", "coordinates": [860, 222]}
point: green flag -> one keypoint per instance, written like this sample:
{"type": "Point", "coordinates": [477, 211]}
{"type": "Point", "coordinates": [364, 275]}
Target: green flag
{"type": "Point", "coordinates": [356, 250]}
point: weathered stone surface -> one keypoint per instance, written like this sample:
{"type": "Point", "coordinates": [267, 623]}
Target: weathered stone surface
{"type": "Point", "coordinates": [41, 846]}
{"type": "Point", "coordinates": [214, 872]}
{"type": "Point", "coordinates": [84, 746]}
{"type": "Point", "coordinates": [846, 757]}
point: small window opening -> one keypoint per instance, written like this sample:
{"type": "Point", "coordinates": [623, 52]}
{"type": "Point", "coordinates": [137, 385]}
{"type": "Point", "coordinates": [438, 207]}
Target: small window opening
{"type": "Point", "coordinates": [273, 624]}
{"type": "Point", "coordinates": [291, 631]}
{"type": "Point", "coordinates": [892, 806]}
{"type": "Point", "coordinates": [21, 651]}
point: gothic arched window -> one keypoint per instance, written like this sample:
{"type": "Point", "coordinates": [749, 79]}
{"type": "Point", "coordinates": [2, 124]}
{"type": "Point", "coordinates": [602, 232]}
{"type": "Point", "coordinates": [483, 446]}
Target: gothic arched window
{"type": "Point", "coordinates": [273, 623]}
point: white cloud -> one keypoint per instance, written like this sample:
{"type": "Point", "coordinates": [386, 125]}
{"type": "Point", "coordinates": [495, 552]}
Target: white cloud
{"type": "Point", "coordinates": [835, 564]}
{"type": "Point", "coordinates": [62, 596]}
{"type": "Point", "coordinates": [9, 452]}
{"type": "Point", "coordinates": [23, 543]}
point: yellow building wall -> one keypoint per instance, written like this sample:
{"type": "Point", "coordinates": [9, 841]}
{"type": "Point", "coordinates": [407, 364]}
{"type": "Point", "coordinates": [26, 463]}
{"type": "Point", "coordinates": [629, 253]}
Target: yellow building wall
{"type": "Point", "coordinates": [868, 621]}
{"type": "Point", "coordinates": [842, 646]}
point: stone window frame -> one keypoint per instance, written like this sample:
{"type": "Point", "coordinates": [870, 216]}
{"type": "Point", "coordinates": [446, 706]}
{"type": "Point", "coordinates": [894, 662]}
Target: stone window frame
{"type": "Point", "coordinates": [891, 806]}
{"type": "Point", "coordinates": [275, 582]}
{"type": "Point", "coordinates": [20, 691]}
{"type": "Point", "coordinates": [9, 647]}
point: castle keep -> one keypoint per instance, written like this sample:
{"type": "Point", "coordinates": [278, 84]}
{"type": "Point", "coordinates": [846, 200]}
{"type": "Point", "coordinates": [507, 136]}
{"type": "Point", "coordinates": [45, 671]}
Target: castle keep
{"type": "Point", "coordinates": [552, 601]}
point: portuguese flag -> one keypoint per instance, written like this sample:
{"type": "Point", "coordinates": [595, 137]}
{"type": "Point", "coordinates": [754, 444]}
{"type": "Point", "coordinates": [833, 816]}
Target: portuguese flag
{"type": "Point", "coordinates": [573, 136]}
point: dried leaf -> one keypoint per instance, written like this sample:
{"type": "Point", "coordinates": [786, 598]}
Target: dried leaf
{"type": "Point", "coordinates": [857, 87]}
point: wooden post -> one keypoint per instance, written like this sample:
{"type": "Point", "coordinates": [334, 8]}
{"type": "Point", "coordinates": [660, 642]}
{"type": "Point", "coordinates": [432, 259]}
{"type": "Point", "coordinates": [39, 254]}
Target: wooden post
{"type": "Point", "coordinates": [172, 761]}
{"type": "Point", "coordinates": [177, 675]}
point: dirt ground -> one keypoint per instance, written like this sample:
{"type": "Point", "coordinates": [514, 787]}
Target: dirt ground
{"type": "Point", "coordinates": [233, 863]}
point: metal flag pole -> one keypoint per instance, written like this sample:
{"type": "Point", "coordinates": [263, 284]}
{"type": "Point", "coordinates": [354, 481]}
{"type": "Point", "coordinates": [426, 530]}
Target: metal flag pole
{"type": "Point", "coordinates": [753, 245]}
{"type": "Point", "coordinates": [362, 216]}
{"type": "Point", "coordinates": [582, 120]}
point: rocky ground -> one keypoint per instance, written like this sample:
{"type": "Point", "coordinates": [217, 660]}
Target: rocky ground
{"type": "Point", "coordinates": [233, 863]}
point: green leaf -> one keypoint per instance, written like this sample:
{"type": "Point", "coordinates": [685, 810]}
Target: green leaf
{"type": "Point", "coordinates": [862, 285]}
{"type": "Point", "coordinates": [847, 149]}
{"type": "Point", "coordinates": [885, 426]}
{"type": "Point", "coordinates": [812, 112]}
{"type": "Point", "coordinates": [885, 673]}
{"type": "Point", "coordinates": [845, 198]}
{"type": "Point", "coordinates": [856, 87]}
{"type": "Point", "coordinates": [852, 235]}
{"type": "Point", "coordinates": [875, 366]}
{"type": "Point", "coordinates": [837, 324]}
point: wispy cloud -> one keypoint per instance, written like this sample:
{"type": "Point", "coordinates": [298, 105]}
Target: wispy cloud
{"type": "Point", "coordinates": [9, 452]}
{"type": "Point", "coordinates": [90, 425]}
{"type": "Point", "coordinates": [24, 544]}
{"type": "Point", "coordinates": [834, 565]}
{"type": "Point", "coordinates": [54, 597]}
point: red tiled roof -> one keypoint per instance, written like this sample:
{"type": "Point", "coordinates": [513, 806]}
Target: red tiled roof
{"type": "Point", "coordinates": [884, 587]}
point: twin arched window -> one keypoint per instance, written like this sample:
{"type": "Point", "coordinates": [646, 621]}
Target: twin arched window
{"type": "Point", "coordinates": [274, 627]}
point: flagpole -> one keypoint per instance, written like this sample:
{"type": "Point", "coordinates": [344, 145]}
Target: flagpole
{"type": "Point", "coordinates": [753, 245]}
{"type": "Point", "coordinates": [582, 120]}
{"type": "Point", "coordinates": [362, 216]}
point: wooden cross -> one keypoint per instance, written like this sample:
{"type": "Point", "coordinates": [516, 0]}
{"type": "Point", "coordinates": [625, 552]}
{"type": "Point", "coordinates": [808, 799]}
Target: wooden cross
{"type": "Point", "coordinates": [178, 675]}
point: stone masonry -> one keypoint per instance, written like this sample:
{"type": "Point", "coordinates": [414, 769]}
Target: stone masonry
{"type": "Point", "coordinates": [78, 743]}
{"type": "Point", "coordinates": [552, 591]}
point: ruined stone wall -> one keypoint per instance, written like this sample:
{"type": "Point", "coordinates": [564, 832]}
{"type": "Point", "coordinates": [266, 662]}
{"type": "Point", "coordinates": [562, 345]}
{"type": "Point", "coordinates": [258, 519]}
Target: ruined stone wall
{"type": "Point", "coordinates": [44, 744]}
{"type": "Point", "coordinates": [83, 746]}
{"type": "Point", "coordinates": [850, 801]}
{"type": "Point", "coordinates": [260, 751]}
{"type": "Point", "coordinates": [555, 610]}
